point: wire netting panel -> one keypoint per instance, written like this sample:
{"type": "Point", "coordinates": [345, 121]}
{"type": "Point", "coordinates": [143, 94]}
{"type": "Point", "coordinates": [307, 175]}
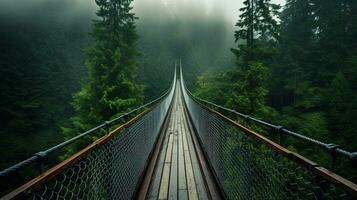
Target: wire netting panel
{"type": "Point", "coordinates": [112, 170]}
{"type": "Point", "coordinates": [248, 169]}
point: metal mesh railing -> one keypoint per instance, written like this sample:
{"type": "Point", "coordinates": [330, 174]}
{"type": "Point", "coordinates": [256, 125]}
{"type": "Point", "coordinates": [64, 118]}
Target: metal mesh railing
{"type": "Point", "coordinates": [111, 168]}
{"type": "Point", "coordinates": [249, 166]}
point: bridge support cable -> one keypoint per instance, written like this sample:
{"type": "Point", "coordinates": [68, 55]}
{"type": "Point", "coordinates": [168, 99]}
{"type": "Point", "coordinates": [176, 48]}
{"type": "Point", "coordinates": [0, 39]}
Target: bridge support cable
{"type": "Point", "coordinates": [110, 168]}
{"type": "Point", "coordinates": [247, 165]}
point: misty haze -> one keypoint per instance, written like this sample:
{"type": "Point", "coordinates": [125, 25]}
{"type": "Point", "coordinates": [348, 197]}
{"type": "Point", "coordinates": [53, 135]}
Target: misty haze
{"type": "Point", "coordinates": [178, 99]}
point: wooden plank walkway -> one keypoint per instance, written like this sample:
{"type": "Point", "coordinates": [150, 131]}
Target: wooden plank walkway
{"type": "Point", "coordinates": [177, 173]}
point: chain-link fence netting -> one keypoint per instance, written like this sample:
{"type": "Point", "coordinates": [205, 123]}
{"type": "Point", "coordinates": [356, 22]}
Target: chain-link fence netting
{"type": "Point", "coordinates": [249, 166]}
{"type": "Point", "coordinates": [111, 168]}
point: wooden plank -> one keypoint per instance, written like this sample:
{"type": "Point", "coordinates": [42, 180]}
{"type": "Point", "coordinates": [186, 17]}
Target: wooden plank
{"type": "Point", "coordinates": [191, 184]}
{"type": "Point", "coordinates": [164, 186]}
{"type": "Point", "coordinates": [181, 166]}
{"type": "Point", "coordinates": [183, 194]}
{"type": "Point", "coordinates": [174, 171]}
{"type": "Point", "coordinates": [338, 180]}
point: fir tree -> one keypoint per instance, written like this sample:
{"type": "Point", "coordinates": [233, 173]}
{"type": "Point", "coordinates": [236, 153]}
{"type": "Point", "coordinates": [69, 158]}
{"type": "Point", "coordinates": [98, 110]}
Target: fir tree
{"type": "Point", "coordinates": [112, 67]}
{"type": "Point", "coordinates": [297, 44]}
{"type": "Point", "coordinates": [257, 20]}
{"type": "Point", "coordinates": [258, 26]}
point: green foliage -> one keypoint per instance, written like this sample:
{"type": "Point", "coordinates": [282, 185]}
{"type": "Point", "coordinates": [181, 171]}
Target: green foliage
{"type": "Point", "coordinates": [213, 89]}
{"type": "Point", "coordinates": [315, 75]}
{"type": "Point", "coordinates": [257, 21]}
{"type": "Point", "coordinates": [250, 89]}
{"type": "Point", "coordinates": [342, 106]}
{"type": "Point", "coordinates": [245, 88]}
{"type": "Point", "coordinates": [306, 70]}
{"type": "Point", "coordinates": [318, 57]}
{"type": "Point", "coordinates": [112, 66]}
{"type": "Point", "coordinates": [248, 82]}
{"type": "Point", "coordinates": [40, 64]}
{"type": "Point", "coordinates": [314, 124]}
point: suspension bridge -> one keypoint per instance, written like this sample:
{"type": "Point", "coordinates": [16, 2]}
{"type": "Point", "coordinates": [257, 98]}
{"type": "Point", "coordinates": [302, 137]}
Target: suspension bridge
{"type": "Point", "coordinates": [178, 147]}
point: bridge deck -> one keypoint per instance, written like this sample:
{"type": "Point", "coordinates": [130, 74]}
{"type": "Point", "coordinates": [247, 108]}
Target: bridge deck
{"type": "Point", "coordinates": [177, 173]}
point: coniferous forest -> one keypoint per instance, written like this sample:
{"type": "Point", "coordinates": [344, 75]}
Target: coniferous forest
{"type": "Point", "coordinates": [67, 66]}
{"type": "Point", "coordinates": [295, 66]}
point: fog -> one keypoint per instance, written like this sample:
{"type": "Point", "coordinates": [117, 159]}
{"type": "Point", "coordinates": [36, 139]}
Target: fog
{"type": "Point", "coordinates": [199, 32]}
{"type": "Point", "coordinates": [66, 8]}
{"type": "Point", "coordinates": [229, 9]}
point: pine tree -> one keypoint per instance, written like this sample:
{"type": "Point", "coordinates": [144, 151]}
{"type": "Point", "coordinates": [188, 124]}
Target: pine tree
{"type": "Point", "coordinates": [257, 20]}
{"type": "Point", "coordinates": [250, 89]}
{"type": "Point", "coordinates": [258, 26]}
{"type": "Point", "coordinates": [112, 68]}
{"type": "Point", "coordinates": [336, 36]}
{"type": "Point", "coordinates": [297, 44]}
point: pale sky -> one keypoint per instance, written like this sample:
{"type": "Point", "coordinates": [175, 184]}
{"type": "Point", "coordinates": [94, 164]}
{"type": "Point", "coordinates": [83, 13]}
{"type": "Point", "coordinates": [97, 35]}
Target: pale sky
{"type": "Point", "coordinates": [227, 8]}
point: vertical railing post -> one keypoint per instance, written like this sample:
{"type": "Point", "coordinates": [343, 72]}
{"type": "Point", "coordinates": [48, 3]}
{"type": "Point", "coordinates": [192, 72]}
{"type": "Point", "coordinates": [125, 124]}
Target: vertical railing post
{"type": "Point", "coordinates": [332, 148]}
{"type": "Point", "coordinates": [247, 118]}
{"type": "Point", "coordinates": [279, 132]}
{"type": "Point", "coordinates": [41, 156]}
{"type": "Point", "coordinates": [354, 159]}
{"type": "Point", "coordinates": [107, 126]}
